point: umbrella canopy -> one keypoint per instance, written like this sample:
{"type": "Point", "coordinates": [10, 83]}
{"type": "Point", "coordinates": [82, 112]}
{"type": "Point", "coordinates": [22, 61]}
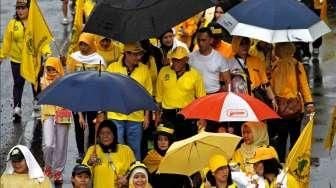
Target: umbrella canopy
{"type": "Point", "coordinates": [94, 91]}
{"type": "Point", "coordinates": [274, 21]}
{"type": "Point", "coordinates": [227, 106]}
{"type": "Point", "coordinates": [192, 154]}
{"type": "Point", "coordinates": [127, 21]}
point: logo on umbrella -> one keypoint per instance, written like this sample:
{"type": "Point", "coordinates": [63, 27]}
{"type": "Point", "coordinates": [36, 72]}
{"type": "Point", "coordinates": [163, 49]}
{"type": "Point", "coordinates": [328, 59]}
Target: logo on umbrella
{"type": "Point", "coordinates": [237, 113]}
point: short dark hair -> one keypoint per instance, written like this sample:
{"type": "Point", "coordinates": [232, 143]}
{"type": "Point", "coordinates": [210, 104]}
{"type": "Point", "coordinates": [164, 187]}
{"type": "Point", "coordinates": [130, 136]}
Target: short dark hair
{"type": "Point", "coordinates": [205, 30]}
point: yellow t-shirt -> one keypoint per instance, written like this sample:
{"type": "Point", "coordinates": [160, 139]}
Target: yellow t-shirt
{"type": "Point", "coordinates": [23, 181]}
{"type": "Point", "coordinates": [257, 71]}
{"type": "Point", "coordinates": [153, 72]}
{"type": "Point", "coordinates": [175, 92]}
{"type": "Point", "coordinates": [142, 75]}
{"type": "Point", "coordinates": [13, 42]}
{"type": "Point", "coordinates": [112, 165]}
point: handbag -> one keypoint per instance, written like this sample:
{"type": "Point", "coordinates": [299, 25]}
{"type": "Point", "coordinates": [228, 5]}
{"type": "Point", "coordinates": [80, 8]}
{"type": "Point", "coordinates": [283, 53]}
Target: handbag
{"type": "Point", "coordinates": [63, 116]}
{"type": "Point", "coordinates": [292, 107]}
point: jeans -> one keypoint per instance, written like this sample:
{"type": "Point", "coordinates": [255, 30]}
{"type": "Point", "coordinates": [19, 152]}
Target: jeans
{"type": "Point", "coordinates": [130, 133]}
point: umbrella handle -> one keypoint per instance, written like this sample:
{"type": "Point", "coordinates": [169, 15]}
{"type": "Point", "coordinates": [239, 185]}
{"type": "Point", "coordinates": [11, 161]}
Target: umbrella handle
{"type": "Point", "coordinates": [100, 67]}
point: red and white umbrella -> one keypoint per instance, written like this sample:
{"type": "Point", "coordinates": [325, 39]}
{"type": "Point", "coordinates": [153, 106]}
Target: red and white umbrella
{"type": "Point", "coordinates": [228, 106]}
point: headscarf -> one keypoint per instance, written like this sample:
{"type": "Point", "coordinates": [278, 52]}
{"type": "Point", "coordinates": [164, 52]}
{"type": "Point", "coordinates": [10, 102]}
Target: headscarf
{"type": "Point", "coordinates": [114, 145]}
{"type": "Point", "coordinates": [138, 169]}
{"type": "Point", "coordinates": [88, 39]}
{"type": "Point", "coordinates": [259, 132]}
{"type": "Point", "coordinates": [34, 169]}
{"type": "Point", "coordinates": [235, 44]}
{"type": "Point", "coordinates": [57, 65]}
{"type": "Point", "coordinates": [99, 38]}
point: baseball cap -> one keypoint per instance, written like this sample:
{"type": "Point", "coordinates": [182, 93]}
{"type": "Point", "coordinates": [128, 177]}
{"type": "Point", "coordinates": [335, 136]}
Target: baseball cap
{"type": "Point", "coordinates": [80, 168]}
{"type": "Point", "coordinates": [134, 47]}
{"type": "Point", "coordinates": [178, 53]}
{"type": "Point", "coordinates": [264, 153]}
{"type": "Point", "coordinates": [16, 155]}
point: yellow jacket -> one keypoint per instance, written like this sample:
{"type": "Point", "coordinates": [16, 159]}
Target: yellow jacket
{"type": "Point", "coordinates": [13, 42]}
{"type": "Point", "coordinates": [112, 165]}
{"type": "Point", "coordinates": [153, 72]}
{"type": "Point", "coordinates": [22, 181]}
{"type": "Point", "coordinates": [284, 80]}
{"type": "Point", "coordinates": [257, 71]}
{"type": "Point", "coordinates": [175, 92]}
{"type": "Point", "coordinates": [142, 75]}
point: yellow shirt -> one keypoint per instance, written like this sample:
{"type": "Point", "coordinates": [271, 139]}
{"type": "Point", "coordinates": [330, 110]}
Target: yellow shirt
{"type": "Point", "coordinates": [225, 49]}
{"type": "Point", "coordinates": [112, 54]}
{"type": "Point", "coordinates": [257, 71]}
{"type": "Point", "coordinates": [22, 181]}
{"type": "Point", "coordinates": [284, 80]}
{"type": "Point", "coordinates": [142, 75]}
{"type": "Point", "coordinates": [13, 42]}
{"type": "Point", "coordinates": [175, 92]}
{"type": "Point", "coordinates": [153, 72]}
{"type": "Point", "coordinates": [112, 165]}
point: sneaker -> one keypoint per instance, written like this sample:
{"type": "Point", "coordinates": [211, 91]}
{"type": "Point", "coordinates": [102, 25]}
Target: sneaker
{"type": "Point", "coordinates": [48, 172]}
{"type": "Point", "coordinates": [58, 177]}
{"type": "Point", "coordinates": [65, 21]}
{"type": "Point", "coordinates": [36, 114]}
{"type": "Point", "coordinates": [17, 114]}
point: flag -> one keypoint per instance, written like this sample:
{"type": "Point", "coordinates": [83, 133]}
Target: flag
{"type": "Point", "coordinates": [298, 160]}
{"type": "Point", "coordinates": [37, 38]}
{"type": "Point", "coordinates": [329, 140]}
{"type": "Point", "coordinates": [77, 26]}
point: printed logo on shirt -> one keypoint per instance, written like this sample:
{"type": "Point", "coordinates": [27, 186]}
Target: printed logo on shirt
{"type": "Point", "coordinates": [166, 77]}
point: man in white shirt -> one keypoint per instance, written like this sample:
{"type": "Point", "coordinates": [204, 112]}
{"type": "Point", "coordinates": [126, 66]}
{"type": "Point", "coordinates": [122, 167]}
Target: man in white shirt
{"type": "Point", "coordinates": [212, 65]}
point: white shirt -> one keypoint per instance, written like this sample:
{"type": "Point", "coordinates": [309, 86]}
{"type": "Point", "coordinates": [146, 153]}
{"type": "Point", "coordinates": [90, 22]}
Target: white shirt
{"type": "Point", "coordinates": [209, 66]}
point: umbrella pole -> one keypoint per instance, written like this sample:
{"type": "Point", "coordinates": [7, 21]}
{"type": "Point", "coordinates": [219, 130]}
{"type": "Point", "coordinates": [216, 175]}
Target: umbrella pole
{"type": "Point", "coordinates": [100, 67]}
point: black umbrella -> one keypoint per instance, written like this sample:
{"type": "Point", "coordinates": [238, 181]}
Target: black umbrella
{"type": "Point", "coordinates": [134, 20]}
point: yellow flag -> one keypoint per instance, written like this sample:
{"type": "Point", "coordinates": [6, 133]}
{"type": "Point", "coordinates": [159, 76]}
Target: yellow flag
{"type": "Point", "coordinates": [37, 38]}
{"type": "Point", "coordinates": [77, 26]}
{"type": "Point", "coordinates": [329, 140]}
{"type": "Point", "coordinates": [298, 160]}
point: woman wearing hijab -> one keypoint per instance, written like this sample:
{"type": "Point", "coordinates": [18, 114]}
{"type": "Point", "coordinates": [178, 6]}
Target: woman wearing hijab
{"type": "Point", "coordinates": [108, 160]}
{"type": "Point", "coordinates": [22, 170]}
{"type": "Point", "coordinates": [56, 121]}
{"type": "Point", "coordinates": [254, 134]}
{"type": "Point", "coordinates": [219, 174]}
{"type": "Point", "coordinates": [110, 50]}
{"type": "Point", "coordinates": [86, 58]}
{"type": "Point", "coordinates": [12, 45]}
{"type": "Point", "coordinates": [138, 176]}
{"type": "Point", "coordinates": [291, 88]}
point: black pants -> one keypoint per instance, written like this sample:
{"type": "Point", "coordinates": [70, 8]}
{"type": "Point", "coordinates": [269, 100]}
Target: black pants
{"type": "Point", "coordinates": [280, 128]}
{"type": "Point", "coordinates": [183, 128]}
{"type": "Point", "coordinates": [79, 131]}
{"type": "Point", "coordinates": [19, 82]}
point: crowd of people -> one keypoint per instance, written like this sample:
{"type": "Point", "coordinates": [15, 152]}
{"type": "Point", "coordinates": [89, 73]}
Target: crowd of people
{"type": "Point", "coordinates": [125, 150]}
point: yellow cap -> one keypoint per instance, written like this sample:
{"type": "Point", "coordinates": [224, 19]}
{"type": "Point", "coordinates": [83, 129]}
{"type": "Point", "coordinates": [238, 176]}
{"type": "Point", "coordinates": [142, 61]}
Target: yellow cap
{"type": "Point", "coordinates": [216, 162]}
{"type": "Point", "coordinates": [22, 3]}
{"type": "Point", "coordinates": [264, 153]}
{"type": "Point", "coordinates": [134, 47]}
{"type": "Point", "coordinates": [178, 53]}
{"type": "Point", "coordinates": [161, 128]}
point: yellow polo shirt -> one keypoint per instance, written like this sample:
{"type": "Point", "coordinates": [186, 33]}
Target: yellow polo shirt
{"type": "Point", "coordinates": [142, 75]}
{"type": "Point", "coordinates": [175, 92]}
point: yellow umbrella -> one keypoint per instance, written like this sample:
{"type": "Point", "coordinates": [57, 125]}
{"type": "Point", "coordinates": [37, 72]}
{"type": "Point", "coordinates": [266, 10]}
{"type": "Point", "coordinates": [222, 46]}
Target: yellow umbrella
{"type": "Point", "coordinates": [192, 154]}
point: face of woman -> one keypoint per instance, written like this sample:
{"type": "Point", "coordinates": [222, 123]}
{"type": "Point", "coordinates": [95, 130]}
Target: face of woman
{"type": "Point", "coordinates": [106, 136]}
{"type": "Point", "coordinates": [105, 43]}
{"type": "Point", "coordinates": [84, 48]}
{"type": "Point", "coordinates": [247, 135]}
{"type": "Point", "coordinates": [139, 180]}
{"type": "Point", "coordinates": [22, 12]}
{"type": "Point", "coordinates": [222, 174]}
{"type": "Point", "coordinates": [20, 167]}
{"type": "Point", "coordinates": [244, 48]}
{"type": "Point", "coordinates": [168, 39]}
{"type": "Point", "coordinates": [218, 12]}
{"type": "Point", "coordinates": [163, 142]}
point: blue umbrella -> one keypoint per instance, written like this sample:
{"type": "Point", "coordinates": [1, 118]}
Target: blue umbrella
{"type": "Point", "coordinates": [94, 91]}
{"type": "Point", "coordinates": [274, 21]}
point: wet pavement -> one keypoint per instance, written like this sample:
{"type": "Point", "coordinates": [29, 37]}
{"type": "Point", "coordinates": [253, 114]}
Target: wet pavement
{"type": "Point", "coordinates": [28, 132]}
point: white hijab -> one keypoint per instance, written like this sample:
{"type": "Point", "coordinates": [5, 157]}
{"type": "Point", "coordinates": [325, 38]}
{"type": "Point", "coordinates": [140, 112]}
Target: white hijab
{"type": "Point", "coordinates": [93, 59]}
{"type": "Point", "coordinates": [34, 169]}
